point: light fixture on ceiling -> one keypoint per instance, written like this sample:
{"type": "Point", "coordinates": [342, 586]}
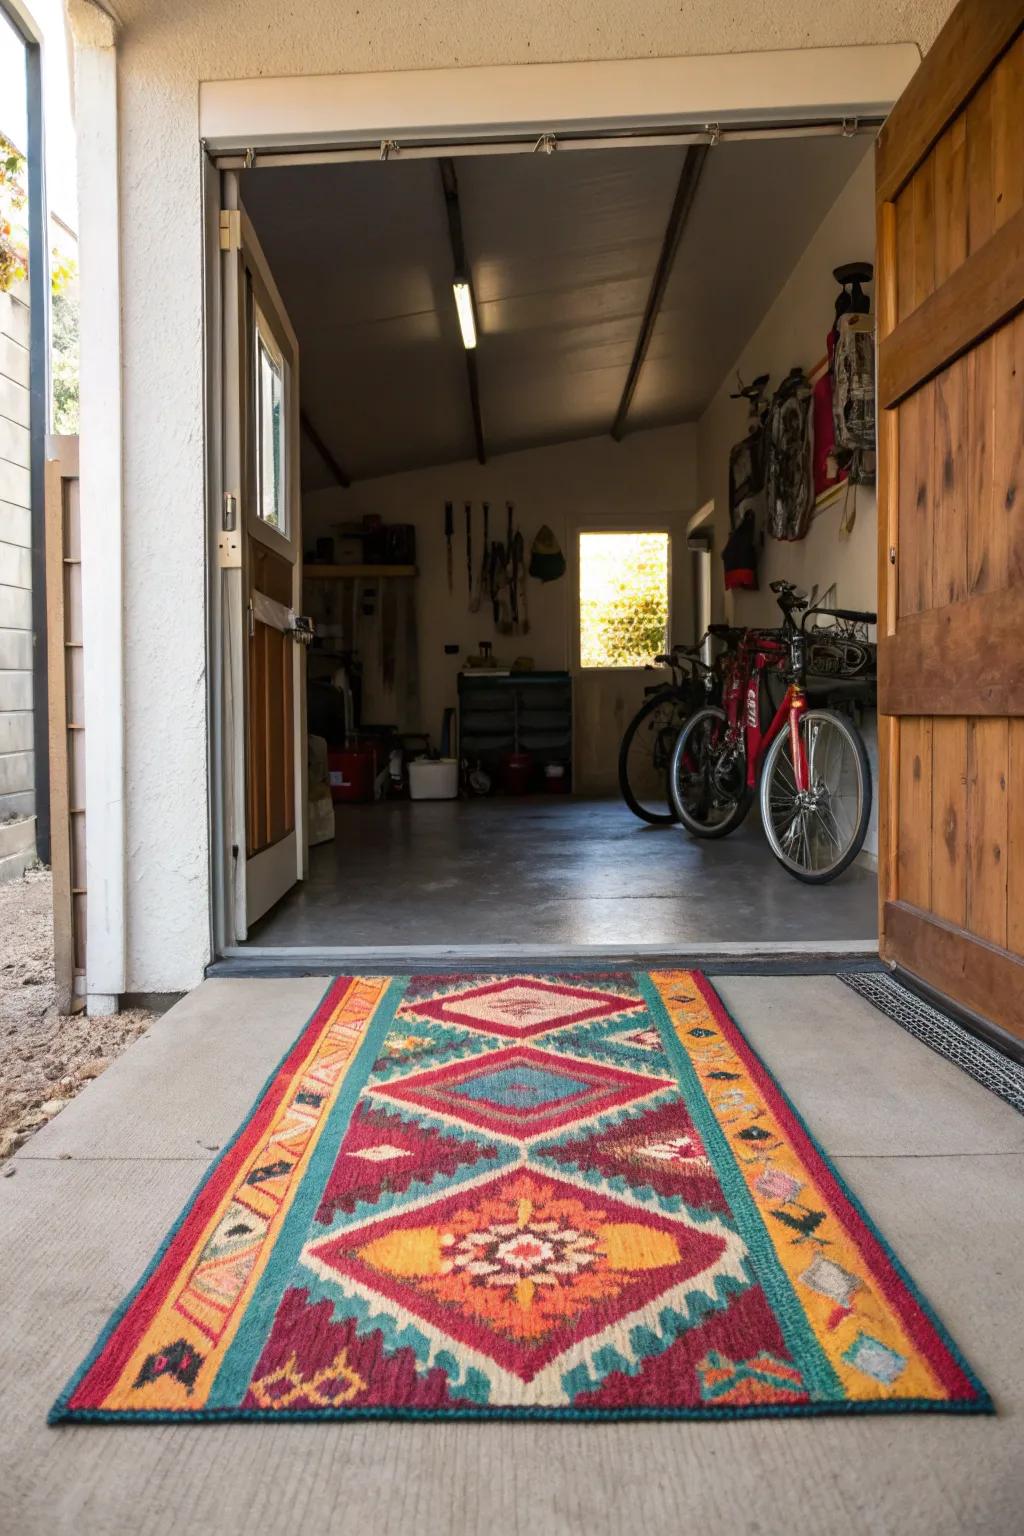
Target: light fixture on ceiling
{"type": "Point", "coordinates": [467, 317]}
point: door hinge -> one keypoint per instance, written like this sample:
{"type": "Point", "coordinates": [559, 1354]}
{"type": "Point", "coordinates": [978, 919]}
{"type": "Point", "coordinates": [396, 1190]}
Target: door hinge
{"type": "Point", "coordinates": [252, 620]}
{"type": "Point", "coordinates": [230, 229]}
{"type": "Point", "coordinates": [229, 540]}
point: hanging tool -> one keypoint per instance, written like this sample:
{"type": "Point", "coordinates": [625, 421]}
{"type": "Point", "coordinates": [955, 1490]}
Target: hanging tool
{"type": "Point", "coordinates": [485, 562]}
{"type": "Point", "coordinates": [497, 566]}
{"type": "Point", "coordinates": [520, 621]}
{"type": "Point", "coordinates": [449, 534]}
{"type": "Point", "coordinates": [469, 552]}
{"type": "Point", "coordinates": [513, 556]}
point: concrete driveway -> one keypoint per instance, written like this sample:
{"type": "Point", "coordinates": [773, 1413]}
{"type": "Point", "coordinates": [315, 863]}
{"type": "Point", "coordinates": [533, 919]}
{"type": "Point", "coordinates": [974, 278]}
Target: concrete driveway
{"type": "Point", "coordinates": [938, 1161]}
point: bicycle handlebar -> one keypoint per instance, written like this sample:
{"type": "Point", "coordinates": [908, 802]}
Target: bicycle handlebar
{"type": "Point", "coordinates": [853, 615]}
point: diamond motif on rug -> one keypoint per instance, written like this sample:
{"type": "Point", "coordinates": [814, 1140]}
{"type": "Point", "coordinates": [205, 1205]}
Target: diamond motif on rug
{"type": "Point", "coordinates": [658, 1149]}
{"type": "Point", "coordinates": [521, 1006]}
{"type": "Point", "coordinates": [520, 1268]}
{"type": "Point", "coordinates": [521, 1092]}
{"type": "Point", "coordinates": [383, 1156]}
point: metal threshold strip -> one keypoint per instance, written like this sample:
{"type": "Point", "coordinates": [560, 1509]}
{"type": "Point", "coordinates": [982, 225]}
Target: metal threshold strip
{"type": "Point", "coordinates": [781, 956]}
{"type": "Point", "coordinates": [535, 140]}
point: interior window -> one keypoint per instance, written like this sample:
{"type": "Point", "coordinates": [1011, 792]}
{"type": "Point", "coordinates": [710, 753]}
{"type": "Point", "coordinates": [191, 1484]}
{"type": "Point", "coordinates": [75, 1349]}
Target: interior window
{"type": "Point", "coordinates": [271, 468]}
{"type": "Point", "coordinates": [624, 598]}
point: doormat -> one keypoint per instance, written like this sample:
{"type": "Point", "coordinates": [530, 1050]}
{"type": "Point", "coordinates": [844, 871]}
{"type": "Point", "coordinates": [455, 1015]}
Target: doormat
{"type": "Point", "coordinates": [990, 1067]}
{"type": "Point", "coordinates": [568, 1196]}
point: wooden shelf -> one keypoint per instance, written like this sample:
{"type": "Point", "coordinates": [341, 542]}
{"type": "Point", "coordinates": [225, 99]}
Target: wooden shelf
{"type": "Point", "coordinates": [313, 572]}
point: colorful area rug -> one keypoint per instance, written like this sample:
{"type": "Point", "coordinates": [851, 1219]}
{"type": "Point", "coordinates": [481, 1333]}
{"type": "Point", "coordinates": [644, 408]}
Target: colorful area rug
{"type": "Point", "coordinates": [561, 1196]}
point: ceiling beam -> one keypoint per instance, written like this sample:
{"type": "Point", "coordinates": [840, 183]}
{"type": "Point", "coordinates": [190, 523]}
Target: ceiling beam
{"type": "Point", "coordinates": [317, 442]}
{"type": "Point", "coordinates": [682, 203]}
{"type": "Point", "coordinates": [460, 268]}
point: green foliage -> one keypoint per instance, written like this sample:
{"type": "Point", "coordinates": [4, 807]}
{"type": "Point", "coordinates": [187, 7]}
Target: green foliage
{"type": "Point", "coordinates": [64, 361]}
{"type": "Point", "coordinates": [623, 598]}
{"type": "Point", "coordinates": [13, 198]}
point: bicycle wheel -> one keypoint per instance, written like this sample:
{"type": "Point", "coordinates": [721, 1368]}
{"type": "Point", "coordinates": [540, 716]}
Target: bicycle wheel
{"type": "Point", "coordinates": [645, 752]}
{"type": "Point", "coordinates": [816, 833]}
{"type": "Point", "coordinates": [707, 777]}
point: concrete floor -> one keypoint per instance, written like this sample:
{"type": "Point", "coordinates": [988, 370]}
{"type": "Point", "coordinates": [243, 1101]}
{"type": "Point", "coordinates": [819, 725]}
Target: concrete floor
{"type": "Point", "coordinates": [554, 872]}
{"type": "Point", "coordinates": [938, 1161]}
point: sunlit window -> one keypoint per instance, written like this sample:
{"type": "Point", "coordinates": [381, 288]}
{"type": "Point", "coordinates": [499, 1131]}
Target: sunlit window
{"type": "Point", "coordinates": [271, 495]}
{"type": "Point", "coordinates": [624, 586]}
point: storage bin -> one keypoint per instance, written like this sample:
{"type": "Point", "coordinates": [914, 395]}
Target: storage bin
{"type": "Point", "coordinates": [434, 780]}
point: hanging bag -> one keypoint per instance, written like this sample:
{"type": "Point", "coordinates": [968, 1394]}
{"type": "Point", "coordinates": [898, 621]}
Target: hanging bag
{"type": "Point", "coordinates": [853, 396]}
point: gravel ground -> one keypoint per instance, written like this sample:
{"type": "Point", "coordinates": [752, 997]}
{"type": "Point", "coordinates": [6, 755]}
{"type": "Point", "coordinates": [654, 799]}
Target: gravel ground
{"type": "Point", "coordinates": [44, 1059]}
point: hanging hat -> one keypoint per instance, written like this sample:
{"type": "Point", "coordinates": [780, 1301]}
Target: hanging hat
{"type": "Point", "coordinates": [547, 562]}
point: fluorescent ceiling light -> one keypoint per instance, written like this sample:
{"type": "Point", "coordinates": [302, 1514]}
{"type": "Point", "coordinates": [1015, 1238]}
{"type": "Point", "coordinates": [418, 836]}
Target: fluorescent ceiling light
{"type": "Point", "coordinates": [467, 319]}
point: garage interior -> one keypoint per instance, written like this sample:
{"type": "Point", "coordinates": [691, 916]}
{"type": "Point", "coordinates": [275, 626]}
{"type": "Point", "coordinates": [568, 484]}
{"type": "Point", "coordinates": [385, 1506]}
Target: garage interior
{"type": "Point", "coordinates": [593, 406]}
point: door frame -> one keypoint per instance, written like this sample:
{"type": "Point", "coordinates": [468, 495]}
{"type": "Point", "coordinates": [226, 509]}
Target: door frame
{"type": "Point", "coordinates": [227, 358]}
{"type": "Point", "coordinates": [612, 104]}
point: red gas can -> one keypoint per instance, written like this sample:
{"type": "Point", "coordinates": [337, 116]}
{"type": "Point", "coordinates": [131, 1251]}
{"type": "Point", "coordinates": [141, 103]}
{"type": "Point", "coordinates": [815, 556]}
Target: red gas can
{"type": "Point", "coordinates": [350, 773]}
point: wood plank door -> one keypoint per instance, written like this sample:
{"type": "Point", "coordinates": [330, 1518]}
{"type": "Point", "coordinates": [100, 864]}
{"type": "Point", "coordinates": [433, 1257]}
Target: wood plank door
{"type": "Point", "coordinates": [266, 795]}
{"type": "Point", "coordinates": [950, 195]}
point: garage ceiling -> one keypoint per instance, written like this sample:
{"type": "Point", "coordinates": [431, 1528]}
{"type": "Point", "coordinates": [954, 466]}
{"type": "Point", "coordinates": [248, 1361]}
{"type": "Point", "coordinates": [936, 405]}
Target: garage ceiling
{"type": "Point", "coordinates": [562, 249]}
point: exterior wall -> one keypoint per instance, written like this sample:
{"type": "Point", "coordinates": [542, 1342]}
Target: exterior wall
{"type": "Point", "coordinates": [163, 53]}
{"type": "Point", "coordinates": [647, 481]}
{"type": "Point", "coordinates": [17, 758]}
{"type": "Point", "coordinates": [793, 332]}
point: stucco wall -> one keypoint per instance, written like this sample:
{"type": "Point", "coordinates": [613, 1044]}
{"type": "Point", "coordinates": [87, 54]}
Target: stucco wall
{"type": "Point", "coordinates": [164, 51]}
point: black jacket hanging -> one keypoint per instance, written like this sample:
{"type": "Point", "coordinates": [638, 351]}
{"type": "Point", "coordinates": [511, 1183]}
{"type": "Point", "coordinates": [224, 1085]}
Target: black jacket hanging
{"type": "Point", "coordinates": [740, 555]}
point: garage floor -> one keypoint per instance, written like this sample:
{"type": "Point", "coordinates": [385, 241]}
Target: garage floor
{"type": "Point", "coordinates": [554, 872]}
{"type": "Point", "coordinates": [938, 1161]}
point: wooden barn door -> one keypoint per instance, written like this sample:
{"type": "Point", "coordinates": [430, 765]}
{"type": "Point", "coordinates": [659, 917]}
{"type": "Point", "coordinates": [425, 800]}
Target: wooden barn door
{"type": "Point", "coordinates": [950, 190]}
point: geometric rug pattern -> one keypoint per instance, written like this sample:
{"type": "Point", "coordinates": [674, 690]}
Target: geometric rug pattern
{"type": "Point", "coordinates": [530, 1196]}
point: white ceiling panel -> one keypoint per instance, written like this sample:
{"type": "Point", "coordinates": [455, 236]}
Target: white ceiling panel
{"type": "Point", "coordinates": [757, 206]}
{"type": "Point", "coordinates": [562, 248]}
{"type": "Point", "coordinates": [362, 259]}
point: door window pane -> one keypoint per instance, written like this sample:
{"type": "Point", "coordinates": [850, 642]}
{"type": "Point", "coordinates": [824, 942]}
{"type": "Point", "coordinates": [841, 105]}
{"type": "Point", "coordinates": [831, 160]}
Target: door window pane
{"type": "Point", "coordinates": [271, 466]}
{"type": "Point", "coordinates": [624, 586]}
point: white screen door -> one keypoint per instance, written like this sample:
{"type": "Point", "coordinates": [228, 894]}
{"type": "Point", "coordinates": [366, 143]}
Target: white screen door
{"type": "Point", "coordinates": [263, 666]}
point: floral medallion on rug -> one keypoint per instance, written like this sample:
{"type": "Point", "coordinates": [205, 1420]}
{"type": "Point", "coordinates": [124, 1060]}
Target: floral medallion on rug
{"type": "Point", "coordinates": [532, 1196]}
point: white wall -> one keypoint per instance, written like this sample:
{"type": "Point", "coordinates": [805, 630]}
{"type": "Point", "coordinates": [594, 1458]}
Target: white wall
{"type": "Point", "coordinates": [646, 481]}
{"type": "Point", "coordinates": [164, 52]}
{"type": "Point", "coordinates": [793, 332]}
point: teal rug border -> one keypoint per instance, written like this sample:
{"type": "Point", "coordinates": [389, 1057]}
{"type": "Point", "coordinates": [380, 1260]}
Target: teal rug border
{"type": "Point", "coordinates": [61, 1414]}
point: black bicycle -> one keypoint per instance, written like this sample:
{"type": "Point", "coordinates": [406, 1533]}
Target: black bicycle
{"type": "Point", "coordinates": [649, 738]}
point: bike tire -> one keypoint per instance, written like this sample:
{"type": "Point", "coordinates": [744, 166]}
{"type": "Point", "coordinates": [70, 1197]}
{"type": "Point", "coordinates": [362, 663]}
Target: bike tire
{"type": "Point", "coordinates": [778, 746]}
{"type": "Point", "coordinates": [653, 818]}
{"type": "Point", "coordinates": [736, 816]}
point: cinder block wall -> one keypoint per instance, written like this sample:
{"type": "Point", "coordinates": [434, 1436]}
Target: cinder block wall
{"type": "Point", "coordinates": [17, 769]}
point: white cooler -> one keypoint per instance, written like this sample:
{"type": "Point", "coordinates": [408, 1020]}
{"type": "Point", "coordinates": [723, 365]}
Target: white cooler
{"type": "Point", "coordinates": [434, 780]}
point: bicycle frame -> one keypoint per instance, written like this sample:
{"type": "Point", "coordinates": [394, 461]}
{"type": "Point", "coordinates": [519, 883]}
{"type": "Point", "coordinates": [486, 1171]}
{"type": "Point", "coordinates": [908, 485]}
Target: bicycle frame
{"type": "Point", "coordinates": [742, 692]}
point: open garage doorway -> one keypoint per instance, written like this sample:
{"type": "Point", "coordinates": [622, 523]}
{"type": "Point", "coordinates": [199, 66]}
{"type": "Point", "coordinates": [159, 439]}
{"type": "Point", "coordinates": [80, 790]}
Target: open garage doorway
{"type": "Point", "coordinates": [489, 396]}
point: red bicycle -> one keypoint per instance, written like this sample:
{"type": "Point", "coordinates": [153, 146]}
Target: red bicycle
{"type": "Point", "coordinates": [813, 772]}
